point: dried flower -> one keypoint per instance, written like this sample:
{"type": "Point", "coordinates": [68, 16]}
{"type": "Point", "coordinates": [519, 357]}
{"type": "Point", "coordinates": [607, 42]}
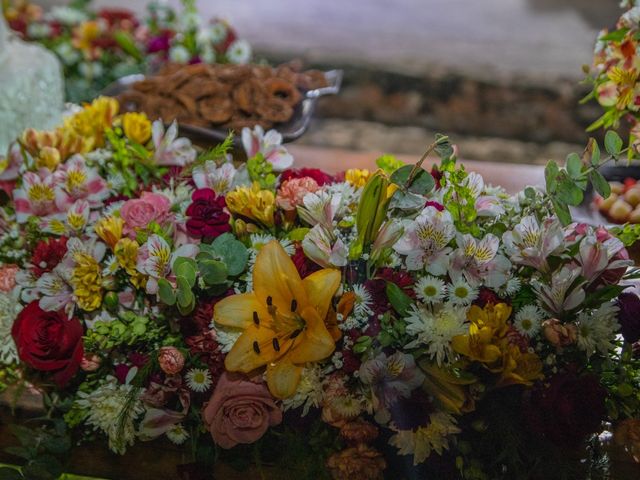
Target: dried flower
{"type": "Point", "coordinates": [171, 360]}
{"type": "Point", "coordinates": [361, 462]}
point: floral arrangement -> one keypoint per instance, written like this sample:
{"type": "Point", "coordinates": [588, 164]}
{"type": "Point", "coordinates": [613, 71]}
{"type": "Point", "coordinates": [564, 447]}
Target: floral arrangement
{"type": "Point", "coordinates": [338, 326]}
{"type": "Point", "coordinates": [615, 74]}
{"type": "Point", "coordinates": [98, 47]}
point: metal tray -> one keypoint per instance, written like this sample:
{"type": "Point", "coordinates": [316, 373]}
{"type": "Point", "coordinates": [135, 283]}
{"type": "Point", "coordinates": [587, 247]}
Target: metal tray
{"type": "Point", "coordinates": [291, 130]}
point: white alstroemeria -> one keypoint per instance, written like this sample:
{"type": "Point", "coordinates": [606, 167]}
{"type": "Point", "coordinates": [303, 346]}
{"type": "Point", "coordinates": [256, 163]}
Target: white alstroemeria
{"type": "Point", "coordinates": [479, 261]}
{"type": "Point", "coordinates": [597, 257]}
{"type": "Point", "coordinates": [155, 259]}
{"type": "Point", "coordinates": [320, 208]}
{"type": "Point", "coordinates": [218, 178]}
{"type": "Point", "coordinates": [269, 144]}
{"type": "Point", "coordinates": [324, 248]}
{"type": "Point", "coordinates": [530, 243]}
{"type": "Point", "coordinates": [171, 150]}
{"type": "Point", "coordinates": [565, 292]}
{"type": "Point", "coordinates": [425, 241]}
{"type": "Point", "coordinates": [596, 330]}
{"type": "Point", "coordinates": [475, 183]}
{"type": "Point", "coordinates": [55, 289]}
{"type": "Point", "coordinates": [435, 328]}
{"type": "Point", "coordinates": [489, 206]}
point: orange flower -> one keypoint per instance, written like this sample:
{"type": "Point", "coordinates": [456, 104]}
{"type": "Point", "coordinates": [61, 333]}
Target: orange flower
{"type": "Point", "coordinates": [283, 320]}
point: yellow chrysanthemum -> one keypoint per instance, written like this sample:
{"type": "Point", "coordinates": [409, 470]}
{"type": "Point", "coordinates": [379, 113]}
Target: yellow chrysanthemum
{"type": "Point", "coordinates": [87, 282]}
{"type": "Point", "coordinates": [109, 229]}
{"type": "Point", "coordinates": [253, 203]}
{"type": "Point", "coordinates": [137, 127]}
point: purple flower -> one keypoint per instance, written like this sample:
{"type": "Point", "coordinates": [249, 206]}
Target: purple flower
{"type": "Point", "coordinates": [161, 43]}
{"type": "Point", "coordinates": [629, 316]}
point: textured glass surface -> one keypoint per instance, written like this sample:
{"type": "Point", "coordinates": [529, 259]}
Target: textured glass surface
{"type": "Point", "coordinates": [31, 88]}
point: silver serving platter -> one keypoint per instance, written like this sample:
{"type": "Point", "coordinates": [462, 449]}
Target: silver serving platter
{"type": "Point", "coordinates": [291, 130]}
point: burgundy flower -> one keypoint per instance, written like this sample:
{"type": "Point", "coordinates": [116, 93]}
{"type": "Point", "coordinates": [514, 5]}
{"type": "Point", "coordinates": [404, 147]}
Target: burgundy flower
{"type": "Point", "coordinates": [437, 205]}
{"type": "Point", "coordinates": [206, 348]}
{"type": "Point", "coordinates": [318, 175]}
{"type": "Point", "coordinates": [567, 409]}
{"type": "Point", "coordinates": [377, 287]}
{"type": "Point", "coordinates": [486, 296]}
{"type": "Point", "coordinates": [47, 255]}
{"type": "Point", "coordinates": [437, 176]}
{"type": "Point", "coordinates": [304, 266]}
{"type": "Point", "coordinates": [413, 412]}
{"type": "Point", "coordinates": [629, 316]}
{"type": "Point", "coordinates": [207, 218]}
{"type": "Point", "coordinates": [160, 43]}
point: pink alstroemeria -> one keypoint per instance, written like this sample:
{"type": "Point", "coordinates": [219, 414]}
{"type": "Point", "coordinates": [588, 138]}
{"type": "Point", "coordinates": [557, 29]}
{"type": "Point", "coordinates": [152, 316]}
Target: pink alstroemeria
{"type": "Point", "coordinates": [319, 208]}
{"type": "Point", "coordinates": [425, 241]}
{"type": "Point", "coordinates": [489, 206]}
{"type": "Point", "coordinates": [74, 223]}
{"type": "Point", "coordinates": [269, 145]}
{"type": "Point", "coordinates": [37, 196]}
{"type": "Point", "coordinates": [11, 163]}
{"type": "Point", "coordinates": [155, 259]}
{"type": "Point", "coordinates": [565, 293]}
{"type": "Point", "coordinates": [170, 150]}
{"type": "Point", "coordinates": [478, 261]}
{"type": "Point", "coordinates": [217, 178]}
{"type": "Point", "coordinates": [75, 181]}
{"type": "Point", "coordinates": [597, 257]}
{"type": "Point", "coordinates": [531, 244]}
{"type": "Point", "coordinates": [324, 248]}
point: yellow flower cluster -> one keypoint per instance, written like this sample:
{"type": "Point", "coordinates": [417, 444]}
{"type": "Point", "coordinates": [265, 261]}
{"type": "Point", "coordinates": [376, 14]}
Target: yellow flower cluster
{"type": "Point", "coordinates": [253, 203]}
{"type": "Point", "coordinates": [87, 282]}
{"type": "Point", "coordinates": [136, 127]}
{"type": "Point", "coordinates": [488, 343]}
{"type": "Point", "coordinates": [126, 252]}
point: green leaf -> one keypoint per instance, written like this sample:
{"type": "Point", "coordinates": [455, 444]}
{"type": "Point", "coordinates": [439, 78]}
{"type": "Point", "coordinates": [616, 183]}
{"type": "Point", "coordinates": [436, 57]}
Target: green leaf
{"type": "Point", "coordinates": [399, 300]}
{"type": "Point", "coordinates": [166, 293]}
{"type": "Point", "coordinates": [388, 163]}
{"type": "Point", "coordinates": [184, 294]}
{"type": "Point", "coordinates": [562, 211]}
{"type": "Point", "coordinates": [613, 143]}
{"type": "Point", "coordinates": [57, 445]}
{"type": "Point", "coordinates": [128, 44]}
{"type": "Point", "coordinates": [615, 36]}
{"type": "Point", "coordinates": [186, 268]}
{"type": "Point", "coordinates": [234, 254]}
{"type": "Point", "coordinates": [7, 473]}
{"type": "Point", "coordinates": [574, 165]}
{"type": "Point", "coordinates": [443, 149]}
{"type": "Point", "coordinates": [21, 452]}
{"type": "Point", "coordinates": [551, 172]}
{"type": "Point", "coordinates": [595, 152]}
{"type": "Point", "coordinates": [213, 272]}
{"type": "Point", "coordinates": [298, 234]}
{"type": "Point", "coordinates": [600, 183]}
{"type": "Point", "coordinates": [421, 184]}
{"type": "Point", "coordinates": [567, 191]}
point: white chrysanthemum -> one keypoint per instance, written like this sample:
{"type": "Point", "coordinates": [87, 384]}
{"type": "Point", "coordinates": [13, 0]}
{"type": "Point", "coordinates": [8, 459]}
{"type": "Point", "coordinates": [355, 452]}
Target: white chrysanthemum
{"type": "Point", "coordinates": [239, 52]}
{"type": "Point", "coordinates": [259, 240]}
{"type": "Point", "coordinates": [179, 54]}
{"type": "Point", "coordinates": [178, 434]}
{"type": "Point", "coordinates": [461, 293]}
{"type": "Point", "coordinates": [112, 409]}
{"type": "Point", "coordinates": [198, 379]}
{"type": "Point", "coordinates": [9, 309]}
{"type": "Point", "coordinates": [430, 289]}
{"type": "Point", "coordinates": [226, 337]}
{"type": "Point", "coordinates": [597, 330]}
{"type": "Point", "coordinates": [363, 302]}
{"type": "Point", "coordinates": [435, 329]}
{"type": "Point", "coordinates": [309, 392]}
{"type": "Point", "coordinates": [512, 286]}
{"type": "Point", "coordinates": [217, 32]}
{"type": "Point", "coordinates": [431, 438]}
{"type": "Point", "coordinates": [116, 182]}
{"type": "Point", "coordinates": [528, 320]}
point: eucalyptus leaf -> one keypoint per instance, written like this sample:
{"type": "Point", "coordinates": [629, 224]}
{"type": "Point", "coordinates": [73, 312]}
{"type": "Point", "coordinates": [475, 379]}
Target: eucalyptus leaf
{"type": "Point", "coordinates": [184, 294]}
{"type": "Point", "coordinates": [213, 272]}
{"type": "Point", "coordinates": [234, 254]}
{"type": "Point", "coordinates": [613, 143]}
{"type": "Point", "coordinates": [166, 293]}
{"type": "Point", "coordinates": [421, 183]}
{"type": "Point", "coordinates": [186, 268]}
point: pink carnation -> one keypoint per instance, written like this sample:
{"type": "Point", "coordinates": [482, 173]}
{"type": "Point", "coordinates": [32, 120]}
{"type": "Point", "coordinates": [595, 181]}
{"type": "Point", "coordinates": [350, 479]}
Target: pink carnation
{"type": "Point", "coordinates": [240, 411]}
{"type": "Point", "coordinates": [293, 191]}
{"type": "Point", "coordinates": [8, 277]}
{"type": "Point", "coordinates": [138, 213]}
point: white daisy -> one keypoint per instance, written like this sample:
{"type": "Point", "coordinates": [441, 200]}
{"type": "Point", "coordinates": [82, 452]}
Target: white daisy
{"type": "Point", "coordinates": [362, 306]}
{"type": "Point", "coordinates": [259, 240]}
{"type": "Point", "coordinates": [177, 434]}
{"type": "Point", "coordinates": [596, 330]}
{"type": "Point", "coordinates": [435, 329]}
{"type": "Point", "coordinates": [512, 287]}
{"type": "Point", "coordinates": [528, 320]}
{"type": "Point", "coordinates": [239, 52]}
{"type": "Point", "coordinates": [430, 289]}
{"type": "Point", "coordinates": [461, 293]}
{"type": "Point", "coordinates": [198, 379]}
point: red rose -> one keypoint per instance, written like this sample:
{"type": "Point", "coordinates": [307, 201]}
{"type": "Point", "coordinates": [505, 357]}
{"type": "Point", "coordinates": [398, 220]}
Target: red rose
{"type": "Point", "coordinates": [207, 217]}
{"type": "Point", "coordinates": [49, 342]}
{"type": "Point", "coordinates": [318, 175]}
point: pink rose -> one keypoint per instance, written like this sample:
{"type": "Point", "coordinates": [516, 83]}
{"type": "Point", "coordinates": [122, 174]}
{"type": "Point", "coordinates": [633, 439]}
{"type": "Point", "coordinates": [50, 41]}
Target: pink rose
{"type": "Point", "coordinates": [139, 212]}
{"type": "Point", "coordinates": [171, 360]}
{"type": "Point", "coordinates": [240, 411]}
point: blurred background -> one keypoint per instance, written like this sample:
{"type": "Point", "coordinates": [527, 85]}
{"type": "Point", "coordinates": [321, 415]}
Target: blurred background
{"type": "Point", "coordinates": [502, 77]}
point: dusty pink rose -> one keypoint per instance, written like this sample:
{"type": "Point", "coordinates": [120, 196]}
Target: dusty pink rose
{"type": "Point", "coordinates": [8, 277]}
{"type": "Point", "coordinates": [139, 212]}
{"type": "Point", "coordinates": [292, 192]}
{"type": "Point", "coordinates": [240, 411]}
{"type": "Point", "coordinates": [171, 360]}
{"type": "Point", "coordinates": [90, 362]}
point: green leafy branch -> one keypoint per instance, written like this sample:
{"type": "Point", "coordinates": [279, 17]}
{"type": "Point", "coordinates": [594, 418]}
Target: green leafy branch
{"type": "Point", "coordinates": [566, 185]}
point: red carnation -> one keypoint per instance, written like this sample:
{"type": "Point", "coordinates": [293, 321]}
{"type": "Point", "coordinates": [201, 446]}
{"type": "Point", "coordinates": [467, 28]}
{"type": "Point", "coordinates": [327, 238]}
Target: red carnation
{"type": "Point", "coordinates": [49, 342]}
{"type": "Point", "coordinates": [47, 255]}
{"type": "Point", "coordinates": [207, 218]}
{"type": "Point", "coordinates": [377, 287]}
{"type": "Point", "coordinates": [318, 175]}
{"type": "Point", "coordinates": [486, 296]}
{"type": "Point", "coordinates": [304, 266]}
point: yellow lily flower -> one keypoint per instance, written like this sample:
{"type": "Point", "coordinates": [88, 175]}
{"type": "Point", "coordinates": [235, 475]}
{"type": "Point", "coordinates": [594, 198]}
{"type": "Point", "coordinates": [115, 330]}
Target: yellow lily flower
{"type": "Point", "coordinates": [283, 320]}
{"type": "Point", "coordinates": [519, 367]}
{"type": "Point", "coordinates": [254, 203]}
